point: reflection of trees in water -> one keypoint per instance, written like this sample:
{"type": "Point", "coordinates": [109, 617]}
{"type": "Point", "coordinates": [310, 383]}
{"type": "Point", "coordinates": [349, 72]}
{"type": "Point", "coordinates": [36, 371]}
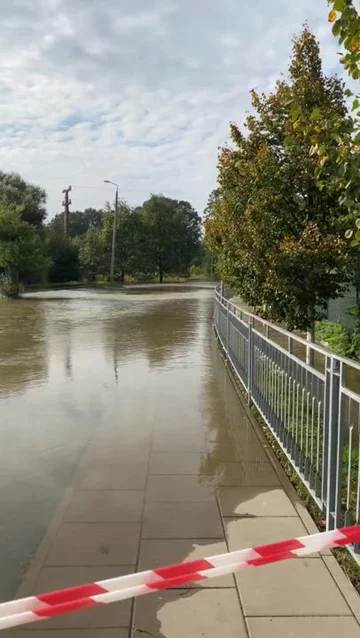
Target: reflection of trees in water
{"type": "Point", "coordinates": [160, 331]}
{"type": "Point", "coordinates": [23, 345]}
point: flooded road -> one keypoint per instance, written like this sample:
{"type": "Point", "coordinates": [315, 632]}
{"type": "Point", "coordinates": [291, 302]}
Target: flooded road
{"type": "Point", "coordinates": [72, 363]}
{"type": "Point", "coordinates": [120, 425]}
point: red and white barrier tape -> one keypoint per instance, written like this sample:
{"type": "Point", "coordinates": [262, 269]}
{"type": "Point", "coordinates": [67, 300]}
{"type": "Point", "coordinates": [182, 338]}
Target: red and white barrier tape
{"type": "Point", "coordinates": [35, 608]}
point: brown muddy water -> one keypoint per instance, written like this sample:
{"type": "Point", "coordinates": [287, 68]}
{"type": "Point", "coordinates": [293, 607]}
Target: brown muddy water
{"type": "Point", "coordinates": [73, 362]}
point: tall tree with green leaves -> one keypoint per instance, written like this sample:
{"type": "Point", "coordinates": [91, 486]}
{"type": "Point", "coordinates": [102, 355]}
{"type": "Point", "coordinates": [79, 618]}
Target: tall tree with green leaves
{"type": "Point", "coordinates": [173, 231]}
{"type": "Point", "coordinates": [79, 221]}
{"type": "Point", "coordinates": [130, 253]}
{"type": "Point", "coordinates": [15, 191]}
{"type": "Point", "coordinates": [346, 182]}
{"type": "Point", "coordinates": [20, 249]}
{"type": "Point", "coordinates": [277, 236]}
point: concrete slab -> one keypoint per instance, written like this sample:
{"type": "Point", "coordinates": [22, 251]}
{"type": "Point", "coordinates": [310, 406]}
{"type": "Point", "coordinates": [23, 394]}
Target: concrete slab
{"type": "Point", "coordinates": [102, 476]}
{"type": "Point", "coordinates": [177, 463]}
{"type": "Point", "coordinates": [157, 553]}
{"type": "Point", "coordinates": [248, 532]}
{"type": "Point", "coordinates": [248, 450]}
{"type": "Point", "coordinates": [182, 520]}
{"type": "Point", "coordinates": [179, 488]}
{"type": "Point", "coordinates": [116, 452]}
{"type": "Point", "coordinates": [94, 544]}
{"type": "Point", "coordinates": [198, 613]}
{"type": "Point", "coordinates": [255, 501]}
{"type": "Point", "coordinates": [73, 633]}
{"type": "Point", "coordinates": [105, 506]}
{"type": "Point", "coordinates": [178, 441]}
{"type": "Point", "coordinates": [238, 474]}
{"type": "Point", "coordinates": [300, 587]}
{"type": "Point", "coordinates": [53, 578]}
{"type": "Point", "coordinates": [348, 591]}
{"type": "Point", "coordinates": [300, 627]}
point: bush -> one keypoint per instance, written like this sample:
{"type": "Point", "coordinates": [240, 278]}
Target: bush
{"type": "Point", "coordinates": [335, 337]}
{"type": "Point", "coordinates": [9, 288]}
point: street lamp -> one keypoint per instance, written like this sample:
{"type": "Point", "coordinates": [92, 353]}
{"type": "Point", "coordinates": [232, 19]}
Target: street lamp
{"type": "Point", "coordinates": [112, 265]}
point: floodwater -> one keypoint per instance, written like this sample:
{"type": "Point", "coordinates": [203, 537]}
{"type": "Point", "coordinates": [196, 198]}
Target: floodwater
{"type": "Point", "coordinates": [75, 362]}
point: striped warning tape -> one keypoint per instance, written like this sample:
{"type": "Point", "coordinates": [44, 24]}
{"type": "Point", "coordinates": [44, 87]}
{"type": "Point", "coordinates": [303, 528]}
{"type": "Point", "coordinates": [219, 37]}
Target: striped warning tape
{"type": "Point", "coordinates": [35, 608]}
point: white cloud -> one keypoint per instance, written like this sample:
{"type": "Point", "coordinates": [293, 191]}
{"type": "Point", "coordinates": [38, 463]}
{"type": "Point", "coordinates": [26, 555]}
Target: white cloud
{"type": "Point", "coordinates": [137, 91]}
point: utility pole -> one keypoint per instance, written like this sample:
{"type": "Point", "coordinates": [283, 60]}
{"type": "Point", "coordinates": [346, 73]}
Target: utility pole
{"type": "Point", "coordinates": [66, 203]}
{"type": "Point", "coordinates": [113, 245]}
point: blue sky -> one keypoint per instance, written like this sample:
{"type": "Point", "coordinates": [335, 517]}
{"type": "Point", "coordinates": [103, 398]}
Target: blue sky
{"type": "Point", "coordinates": [137, 91]}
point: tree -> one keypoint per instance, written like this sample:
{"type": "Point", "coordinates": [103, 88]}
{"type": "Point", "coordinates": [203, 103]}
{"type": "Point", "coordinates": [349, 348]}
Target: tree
{"type": "Point", "coordinates": [20, 249]}
{"type": "Point", "coordinates": [130, 253]}
{"type": "Point", "coordinates": [64, 259]}
{"type": "Point", "coordinates": [15, 191]}
{"type": "Point", "coordinates": [346, 27]}
{"type": "Point", "coordinates": [93, 254]}
{"type": "Point", "coordinates": [278, 236]}
{"type": "Point", "coordinates": [346, 183]}
{"type": "Point", "coordinates": [79, 221]}
{"type": "Point", "coordinates": [173, 231]}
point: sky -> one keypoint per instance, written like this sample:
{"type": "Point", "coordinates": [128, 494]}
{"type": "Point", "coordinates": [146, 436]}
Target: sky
{"type": "Point", "coordinates": [140, 92]}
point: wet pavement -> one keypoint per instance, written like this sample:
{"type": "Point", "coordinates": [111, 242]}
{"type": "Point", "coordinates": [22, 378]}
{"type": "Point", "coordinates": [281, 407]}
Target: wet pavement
{"type": "Point", "coordinates": [167, 468]}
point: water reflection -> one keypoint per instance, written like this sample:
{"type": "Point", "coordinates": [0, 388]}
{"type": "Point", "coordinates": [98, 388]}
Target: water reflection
{"type": "Point", "coordinates": [160, 333]}
{"type": "Point", "coordinates": [23, 346]}
{"type": "Point", "coordinates": [74, 363]}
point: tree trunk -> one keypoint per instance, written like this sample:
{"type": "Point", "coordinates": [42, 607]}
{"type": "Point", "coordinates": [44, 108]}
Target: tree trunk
{"type": "Point", "coordinates": [122, 277]}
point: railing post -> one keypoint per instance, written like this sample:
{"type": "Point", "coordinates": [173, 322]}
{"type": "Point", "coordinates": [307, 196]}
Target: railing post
{"type": "Point", "coordinates": [332, 444]}
{"type": "Point", "coordinates": [250, 360]}
{"type": "Point", "coordinates": [290, 346]}
{"type": "Point", "coordinates": [228, 329]}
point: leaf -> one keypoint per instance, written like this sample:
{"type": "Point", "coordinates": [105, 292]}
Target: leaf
{"type": "Point", "coordinates": [349, 93]}
{"type": "Point", "coordinates": [332, 16]}
{"type": "Point", "coordinates": [336, 28]}
{"type": "Point", "coordinates": [295, 113]}
{"type": "Point", "coordinates": [339, 5]}
{"type": "Point", "coordinates": [315, 115]}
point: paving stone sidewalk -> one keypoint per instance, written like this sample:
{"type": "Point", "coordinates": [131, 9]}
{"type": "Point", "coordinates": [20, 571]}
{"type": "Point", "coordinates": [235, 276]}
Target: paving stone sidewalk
{"type": "Point", "coordinates": [172, 480]}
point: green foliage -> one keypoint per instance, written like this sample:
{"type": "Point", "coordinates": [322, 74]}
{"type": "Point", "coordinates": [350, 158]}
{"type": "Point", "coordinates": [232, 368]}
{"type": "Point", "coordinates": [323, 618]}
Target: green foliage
{"type": "Point", "coordinates": [335, 337]}
{"type": "Point", "coordinates": [9, 288]}
{"type": "Point", "coordinates": [173, 231]}
{"type": "Point", "coordinates": [279, 238]}
{"type": "Point", "coordinates": [345, 140]}
{"type": "Point", "coordinates": [15, 191]}
{"type": "Point", "coordinates": [346, 27]}
{"type": "Point", "coordinates": [64, 259]}
{"type": "Point", "coordinates": [340, 340]}
{"type": "Point", "coordinates": [162, 237]}
{"type": "Point", "coordinates": [21, 248]}
{"type": "Point", "coordinates": [79, 222]}
{"type": "Point", "coordinates": [92, 255]}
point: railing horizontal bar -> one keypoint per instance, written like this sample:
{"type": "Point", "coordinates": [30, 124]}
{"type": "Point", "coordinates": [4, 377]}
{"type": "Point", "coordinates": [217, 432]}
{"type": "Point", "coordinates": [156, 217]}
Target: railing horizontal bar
{"type": "Point", "coordinates": [287, 333]}
{"type": "Point", "coordinates": [293, 357]}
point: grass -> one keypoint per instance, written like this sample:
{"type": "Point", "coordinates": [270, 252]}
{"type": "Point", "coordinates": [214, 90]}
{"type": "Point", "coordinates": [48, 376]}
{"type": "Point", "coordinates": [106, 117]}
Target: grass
{"type": "Point", "coordinates": [344, 558]}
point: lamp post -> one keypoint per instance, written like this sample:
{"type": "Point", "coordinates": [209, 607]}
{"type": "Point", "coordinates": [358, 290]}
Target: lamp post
{"type": "Point", "coordinates": [113, 245]}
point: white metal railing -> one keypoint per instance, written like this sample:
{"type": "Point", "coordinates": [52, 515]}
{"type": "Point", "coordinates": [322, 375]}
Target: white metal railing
{"type": "Point", "coordinates": [311, 409]}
